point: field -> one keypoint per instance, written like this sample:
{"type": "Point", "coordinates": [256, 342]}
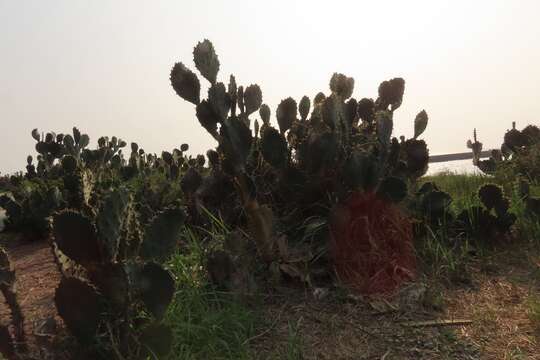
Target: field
{"type": "Point", "coordinates": [320, 237]}
{"type": "Point", "coordinates": [496, 290]}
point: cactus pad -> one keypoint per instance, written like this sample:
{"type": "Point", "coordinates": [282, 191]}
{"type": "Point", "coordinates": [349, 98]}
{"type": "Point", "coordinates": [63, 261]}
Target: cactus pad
{"type": "Point", "coordinates": [393, 189]}
{"type": "Point", "coordinates": [304, 107]}
{"type": "Point", "coordinates": [156, 340]}
{"type": "Point", "coordinates": [78, 305]}
{"type": "Point", "coordinates": [161, 235]}
{"type": "Point", "coordinates": [75, 235]}
{"type": "Point", "coordinates": [112, 282]}
{"type": "Point", "coordinates": [286, 114]}
{"type": "Point", "coordinates": [264, 113]}
{"type": "Point", "coordinates": [420, 123]}
{"type": "Point", "coordinates": [206, 60]}
{"type": "Point", "coordinates": [342, 85]}
{"type": "Point", "coordinates": [274, 148]}
{"type": "Point", "coordinates": [219, 100]}
{"type": "Point", "coordinates": [185, 83]}
{"type": "Point", "coordinates": [252, 98]}
{"type": "Point", "coordinates": [237, 140]}
{"type": "Point", "coordinates": [207, 117]}
{"type": "Point", "coordinates": [491, 195]}
{"type": "Point", "coordinates": [155, 287]}
{"type": "Point", "coordinates": [110, 220]}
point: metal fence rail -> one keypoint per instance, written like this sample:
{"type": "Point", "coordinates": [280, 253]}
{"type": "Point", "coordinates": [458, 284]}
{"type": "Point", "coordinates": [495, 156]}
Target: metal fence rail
{"type": "Point", "coordinates": [459, 156]}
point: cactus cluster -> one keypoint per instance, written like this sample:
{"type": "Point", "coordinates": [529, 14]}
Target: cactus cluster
{"type": "Point", "coordinates": [52, 146]}
{"type": "Point", "coordinates": [29, 206]}
{"type": "Point", "coordinates": [118, 272]}
{"type": "Point", "coordinates": [491, 219]}
{"type": "Point", "coordinates": [519, 153]}
{"type": "Point", "coordinates": [321, 150]}
{"type": "Point", "coordinates": [70, 174]}
{"type": "Point", "coordinates": [486, 222]}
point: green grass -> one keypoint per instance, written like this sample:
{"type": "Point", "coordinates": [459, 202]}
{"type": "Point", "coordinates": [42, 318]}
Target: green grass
{"type": "Point", "coordinates": [533, 305]}
{"type": "Point", "coordinates": [206, 324]}
{"type": "Point", "coordinates": [209, 324]}
{"type": "Point", "coordinates": [446, 258]}
{"type": "Point", "coordinates": [462, 187]}
{"type": "Point", "coordinates": [527, 226]}
{"type": "Point", "coordinates": [294, 342]}
{"type": "Point", "coordinates": [441, 258]}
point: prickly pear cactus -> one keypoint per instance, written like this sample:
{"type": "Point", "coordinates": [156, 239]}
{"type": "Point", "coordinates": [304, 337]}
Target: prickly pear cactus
{"type": "Point", "coordinates": [115, 282]}
{"type": "Point", "coordinates": [519, 154]}
{"type": "Point", "coordinates": [314, 154]}
{"type": "Point", "coordinates": [490, 221]}
{"type": "Point", "coordinates": [28, 208]}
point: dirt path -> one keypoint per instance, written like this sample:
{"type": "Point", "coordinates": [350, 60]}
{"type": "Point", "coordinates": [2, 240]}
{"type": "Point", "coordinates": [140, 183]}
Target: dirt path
{"type": "Point", "coordinates": [499, 305]}
{"type": "Point", "coordinates": [303, 327]}
{"type": "Point", "coordinates": [36, 279]}
{"type": "Point", "coordinates": [355, 329]}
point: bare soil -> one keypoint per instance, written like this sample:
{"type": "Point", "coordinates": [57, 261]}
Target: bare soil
{"type": "Point", "coordinates": [37, 277]}
{"type": "Point", "coordinates": [495, 302]}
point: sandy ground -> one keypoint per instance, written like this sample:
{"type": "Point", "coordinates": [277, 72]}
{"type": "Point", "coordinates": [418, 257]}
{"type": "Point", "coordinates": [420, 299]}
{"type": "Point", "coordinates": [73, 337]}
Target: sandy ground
{"type": "Point", "coordinates": [37, 277]}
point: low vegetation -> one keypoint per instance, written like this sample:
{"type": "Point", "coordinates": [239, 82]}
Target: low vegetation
{"type": "Point", "coordinates": [182, 256]}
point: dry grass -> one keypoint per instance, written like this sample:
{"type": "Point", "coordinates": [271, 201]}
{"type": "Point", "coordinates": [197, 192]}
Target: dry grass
{"type": "Point", "coordinates": [498, 302]}
{"type": "Point", "coordinates": [347, 328]}
{"type": "Point", "coordinates": [499, 307]}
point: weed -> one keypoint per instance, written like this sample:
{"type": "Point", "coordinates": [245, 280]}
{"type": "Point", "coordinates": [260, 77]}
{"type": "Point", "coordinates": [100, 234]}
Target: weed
{"type": "Point", "coordinates": [206, 324]}
{"type": "Point", "coordinates": [294, 341]}
{"type": "Point", "coordinates": [443, 259]}
{"type": "Point", "coordinates": [527, 225]}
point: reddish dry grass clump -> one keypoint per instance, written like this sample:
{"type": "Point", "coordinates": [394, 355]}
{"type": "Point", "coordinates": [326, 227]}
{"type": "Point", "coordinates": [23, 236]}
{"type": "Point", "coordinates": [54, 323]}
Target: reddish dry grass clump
{"type": "Point", "coordinates": [372, 244]}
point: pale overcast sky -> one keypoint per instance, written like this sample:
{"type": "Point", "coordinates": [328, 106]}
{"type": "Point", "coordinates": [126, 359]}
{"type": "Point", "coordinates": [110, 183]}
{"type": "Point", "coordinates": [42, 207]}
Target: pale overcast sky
{"type": "Point", "coordinates": [103, 66]}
